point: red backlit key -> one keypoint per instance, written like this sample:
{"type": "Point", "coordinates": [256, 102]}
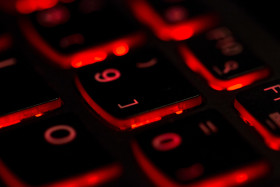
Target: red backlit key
{"type": "Point", "coordinates": [260, 107]}
{"type": "Point", "coordinates": [219, 57]}
{"type": "Point", "coordinates": [82, 29]}
{"type": "Point", "coordinates": [54, 153]}
{"type": "Point", "coordinates": [23, 94]}
{"type": "Point", "coordinates": [136, 89]}
{"type": "Point", "coordinates": [173, 19]}
{"type": "Point", "coordinates": [203, 150]}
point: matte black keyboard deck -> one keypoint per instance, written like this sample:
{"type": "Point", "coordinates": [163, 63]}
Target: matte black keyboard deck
{"type": "Point", "coordinates": [139, 93]}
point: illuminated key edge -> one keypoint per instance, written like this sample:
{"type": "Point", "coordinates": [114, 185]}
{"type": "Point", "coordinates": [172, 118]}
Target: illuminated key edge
{"type": "Point", "coordinates": [270, 139]}
{"type": "Point", "coordinates": [219, 84]}
{"type": "Point", "coordinates": [141, 119]}
{"type": "Point", "coordinates": [68, 61]}
{"type": "Point", "coordinates": [92, 178]}
{"type": "Point", "coordinates": [33, 111]}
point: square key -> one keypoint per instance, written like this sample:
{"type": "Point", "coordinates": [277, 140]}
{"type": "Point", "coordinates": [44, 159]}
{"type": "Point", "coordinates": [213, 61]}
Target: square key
{"type": "Point", "coordinates": [202, 150]}
{"type": "Point", "coordinates": [136, 89]}
{"type": "Point", "coordinates": [222, 59]}
{"type": "Point", "coordinates": [260, 107]}
{"type": "Point", "coordinates": [23, 93]}
{"type": "Point", "coordinates": [55, 152]}
{"type": "Point", "coordinates": [70, 29]}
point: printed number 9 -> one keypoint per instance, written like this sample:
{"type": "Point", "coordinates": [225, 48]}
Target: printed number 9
{"type": "Point", "coordinates": [107, 75]}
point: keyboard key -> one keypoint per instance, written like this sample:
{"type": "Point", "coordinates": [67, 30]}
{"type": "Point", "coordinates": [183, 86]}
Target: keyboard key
{"type": "Point", "coordinates": [78, 31]}
{"type": "Point", "coordinates": [136, 89]}
{"type": "Point", "coordinates": [57, 152]}
{"type": "Point", "coordinates": [173, 20]}
{"type": "Point", "coordinates": [23, 94]}
{"type": "Point", "coordinates": [29, 6]}
{"type": "Point", "coordinates": [202, 150]}
{"type": "Point", "coordinates": [219, 57]}
{"type": "Point", "coordinates": [260, 108]}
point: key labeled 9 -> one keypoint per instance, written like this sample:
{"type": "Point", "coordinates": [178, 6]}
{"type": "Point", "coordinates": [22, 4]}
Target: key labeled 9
{"type": "Point", "coordinates": [107, 75]}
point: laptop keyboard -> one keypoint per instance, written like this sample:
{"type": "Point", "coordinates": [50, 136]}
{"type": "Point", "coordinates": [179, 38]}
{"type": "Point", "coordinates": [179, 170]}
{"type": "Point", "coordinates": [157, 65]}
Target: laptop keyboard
{"type": "Point", "coordinates": [139, 93]}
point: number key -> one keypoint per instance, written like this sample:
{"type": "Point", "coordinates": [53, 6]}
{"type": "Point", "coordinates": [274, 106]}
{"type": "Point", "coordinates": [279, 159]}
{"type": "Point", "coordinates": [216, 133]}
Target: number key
{"type": "Point", "coordinates": [77, 33]}
{"type": "Point", "coordinates": [54, 153]}
{"type": "Point", "coordinates": [222, 60]}
{"type": "Point", "coordinates": [202, 150]}
{"type": "Point", "coordinates": [136, 89]}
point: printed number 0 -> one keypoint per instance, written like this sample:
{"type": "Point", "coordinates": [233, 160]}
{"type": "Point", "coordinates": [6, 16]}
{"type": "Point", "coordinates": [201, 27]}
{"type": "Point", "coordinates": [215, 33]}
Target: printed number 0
{"type": "Point", "coordinates": [107, 75]}
{"type": "Point", "coordinates": [60, 140]}
{"type": "Point", "coordinates": [166, 141]}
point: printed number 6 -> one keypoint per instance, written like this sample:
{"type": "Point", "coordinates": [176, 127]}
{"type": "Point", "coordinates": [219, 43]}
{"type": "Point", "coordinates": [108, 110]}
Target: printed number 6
{"type": "Point", "coordinates": [107, 75]}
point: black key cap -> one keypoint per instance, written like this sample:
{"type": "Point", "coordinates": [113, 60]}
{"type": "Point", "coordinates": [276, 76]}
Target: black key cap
{"type": "Point", "coordinates": [54, 153]}
{"type": "Point", "coordinates": [136, 89]}
{"type": "Point", "coordinates": [260, 107]}
{"type": "Point", "coordinates": [23, 94]}
{"type": "Point", "coordinates": [61, 32]}
{"type": "Point", "coordinates": [203, 150]}
{"type": "Point", "coordinates": [173, 20]}
{"type": "Point", "coordinates": [219, 57]}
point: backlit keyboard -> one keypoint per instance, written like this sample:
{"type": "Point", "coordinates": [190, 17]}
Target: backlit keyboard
{"type": "Point", "coordinates": [171, 93]}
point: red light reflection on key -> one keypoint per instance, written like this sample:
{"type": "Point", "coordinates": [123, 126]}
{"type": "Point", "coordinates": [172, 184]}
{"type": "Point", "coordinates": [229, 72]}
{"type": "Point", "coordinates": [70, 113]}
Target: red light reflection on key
{"type": "Point", "coordinates": [35, 111]}
{"type": "Point", "coordinates": [141, 119]}
{"type": "Point", "coordinates": [90, 179]}
{"type": "Point", "coordinates": [120, 49]}
{"type": "Point", "coordinates": [89, 57]}
{"type": "Point", "coordinates": [184, 30]}
{"type": "Point", "coordinates": [29, 6]}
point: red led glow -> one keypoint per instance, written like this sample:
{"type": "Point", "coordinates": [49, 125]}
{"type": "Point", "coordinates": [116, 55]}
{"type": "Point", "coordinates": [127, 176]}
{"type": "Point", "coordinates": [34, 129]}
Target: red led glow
{"type": "Point", "coordinates": [88, 57]}
{"type": "Point", "coordinates": [81, 58]}
{"type": "Point", "coordinates": [29, 6]}
{"type": "Point", "coordinates": [90, 179]}
{"type": "Point", "coordinates": [165, 31]}
{"type": "Point", "coordinates": [271, 140]}
{"type": "Point", "coordinates": [233, 178]}
{"type": "Point", "coordinates": [218, 84]}
{"type": "Point", "coordinates": [179, 112]}
{"type": "Point", "coordinates": [120, 49]}
{"type": "Point", "coordinates": [141, 119]}
{"type": "Point", "coordinates": [39, 115]}
{"type": "Point", "coordinates": [181, 32]}
{"type": "Point", "coordinates": [36, 111]}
